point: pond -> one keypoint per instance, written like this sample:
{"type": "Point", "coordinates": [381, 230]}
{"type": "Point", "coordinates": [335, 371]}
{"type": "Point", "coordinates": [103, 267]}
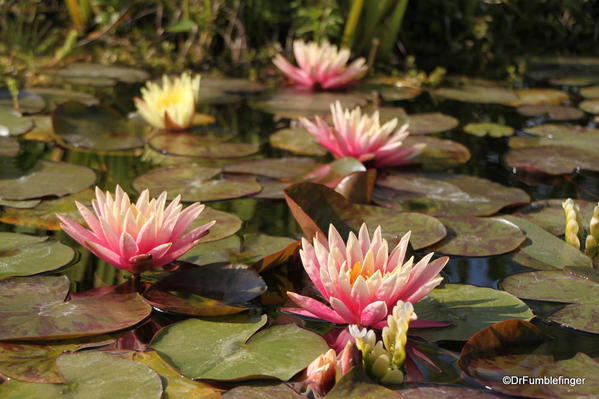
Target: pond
{"type": "Point", "coordinates": [486, 190]}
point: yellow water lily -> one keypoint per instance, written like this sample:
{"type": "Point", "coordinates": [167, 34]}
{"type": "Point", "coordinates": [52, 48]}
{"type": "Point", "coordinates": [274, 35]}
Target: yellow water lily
{"type": "Point", "coordinates": [171, 105]}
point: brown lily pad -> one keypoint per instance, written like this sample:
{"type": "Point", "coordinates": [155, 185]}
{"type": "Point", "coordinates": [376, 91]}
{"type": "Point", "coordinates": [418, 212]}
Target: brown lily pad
{"type": "Point", "coordinates": [552, 159]}
{"type": "Point", "coordinates": [430, 122]}
{"type": "Point", "coordinates": [276, 168]}
{"type": "Point", "coordinates": [438, 153]}
{"type": "Point", "coordinates": [590, 92]}
{"type": "Point", "coordinates": [207, 145]}
{"type": "Point", "coordinates": [590, 106]}
{"type": "Point", "coordinates": [9, 147]}
{"type": "Point", "coordinates": [552, 112]}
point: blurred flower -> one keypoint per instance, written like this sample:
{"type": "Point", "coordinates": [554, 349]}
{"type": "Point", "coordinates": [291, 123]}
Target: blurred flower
{"type": "Point", "coordinates": [360, 280]}
{"type": "Point", "coordinates": [321, 66]}
{"type": "Point", "coordinates": [321, 373]}
{"type": "Point", "coordinates": [172, 105]}
{"type": "Point", "coordinates": [361, 136]}
{"type": "Point", "coordinates": [136, 237]}
{"type": "Point", "coordinates": [384, 359]}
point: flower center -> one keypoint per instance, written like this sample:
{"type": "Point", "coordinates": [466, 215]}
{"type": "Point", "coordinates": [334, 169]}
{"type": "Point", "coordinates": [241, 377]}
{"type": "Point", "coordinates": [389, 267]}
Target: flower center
{"type": "Point", "coordinates": [169, 99]}
{"type": "Point", "coordinates": [356, 271]}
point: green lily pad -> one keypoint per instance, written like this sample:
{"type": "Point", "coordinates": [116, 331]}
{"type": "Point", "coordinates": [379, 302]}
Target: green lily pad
{"type": "Point", "coordinates": [213, 252]}
{"type": "Point", "coordinates": [590, 106]}
{"type": "Point", "coordinates": [280, 391]}
{"type": "Point", "coordinates": [292, 103]}
{"type": "Point", "coordinates": [43, 216]}
{"type": "Point", "coordinates": [13, 124]}
{"type": "Point", "coordinates": [210, 95]}
{"type": "Point", "coordinates": [85, 372]}
{"type": "Point", "coordinates": [444, 194]}
{"type": "Point", "coordinates": [54, 96]}
{"type": "Point", "coordinates": [559, 134]}
{"type": "Point", "coordinates": [25, 204]}
{"type": "Point", "coordinates": [355, 385]}
{"type": "Point", "coordinates": [33, 308]}
{"type": "Point", "coordinates": [101, 74]}
{"type": "Point", "coordinates": [389, 91]}
{"type": "Point", "coordinates": [191, 182]}
{"type": "Point", "coordinates": [469, 309]}
{"type": "Point", "coordinates": [539, 96]}
{"type": "Point", "coordinates": [44, 179]}
{"type": "Point", "coordinates": [542, 250]}
{"type": "Point", "coordinates": [566, 286]}
{"type": "Point", "coordinates": [552, 159]}
{"type": "Point", "coordinates": [472, 236]}
{"type": "Point", "coordinates": [221, 350]}
{"type": "Point", "coordinates": [426, 230]}
{"type": "Point", "coordinates": [553, 112]}
{"type": "Point", "coordinates": [96, 127]}
{"type": "Point", "coordinates": [9, 147]}
{"type": "Point", "coordinates": [226, 225]}
{"type": "Point", "coordinates": [477, 94]}
{"type": "Point", "coordinates": [590, 92]}
{"type": "Point", "coordinates": [276, 168]}
{"type": "Point", "coordinates": [264, 252]}
{"type": "Point", "coordinates": [438, 153]}
{"type": "Point", "coordinates": [43, 130]}
{"type": "Point", "coordinates": [211, 290]}
{"type": "Point", "coordinates": [37, 363]}
{"type": "Point", "coordinates": [298, 141]}
{"type": "Point", "coordinates": [24, 255]}
{"type": "Point", "coordinates": [430, 122]}
{"type": "Point", "coordinates": [29, 102]}
{"type": "Point", "coordinates": [549, 214]}
{"type": "Point", "coordinates": [231, 85]}
{"type": "Point", "coordinates": [446, 391]}
{"type": "Point", "coordinates": [201, 145]}
{"type": "Point", "coordinates": [488, 129]}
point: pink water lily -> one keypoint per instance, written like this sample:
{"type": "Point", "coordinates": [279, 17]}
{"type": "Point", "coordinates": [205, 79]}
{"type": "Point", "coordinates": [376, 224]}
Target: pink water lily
{"type": "Point", "coordinates": [360, 280]}
{"type": "Point", "coordinates": [136, 237]}
{"type": "Point", "coordinates": [362, 136]}
{"type": "Point", "coordinates": [321, 66]}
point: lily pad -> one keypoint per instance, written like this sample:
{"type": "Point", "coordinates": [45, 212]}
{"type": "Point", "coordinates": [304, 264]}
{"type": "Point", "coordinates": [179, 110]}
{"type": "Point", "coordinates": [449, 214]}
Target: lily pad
{"type": "Point", "coordinates": [549, 134]}
{"type": "Point", "coordinates": [280, 391]}
{"type": "Point", "coordinates": [444, 194]}
{"type": "Point", "coordinates": [590, 106]}
{"type": "Point", "coordinates": [292, 103]}
{"type": "Point", "coordinates": [478, 94]}
{"type": "Point", "coordinates": [332, 173]}
{"type": "Point", "coordinates": [539, 96]}
{"type": "Point", "coordinates": [24, 255]}
{"type": "Point", "coordinates": [221, 350]}
{"type": "Point", "coordinates": [472, 236]}
{"type": "Point", "coordinates": [85, 372]}
{"type": "Point", "coordinates": [102, 73]}
{"type": "Point", "coordinates": [226, 225]}
{"type": "Point", "coordinates": [426, 230]}
{"type": "Point", "coordinates": [438, 153]}
{"type": "Point", "coordinates": [590, 92]}
{"type": "Point", "coordinates": [9, 147]}
{"type": "Point", "coordinates": [44, 179]}
{"type": "Point", "coordinates": [298, 141]}
{"type": "Point", "coordinates": [542, 250]}
{"type": "Point", "coordinates": [209, 95]}
{"type": "Point", "coordinates": [13, 124]}
{"type": "Point", "coordinates": [202, 145]}
{"type": "Point", "coordinates": [211, 290]}
{"type": "Point", "coordinates": [29, 103]}
{"type": "Point", "coordinates": [552, 159]}
{"type": "Point", "coordinates": [488, 129]}
{"type": "Point", "coordinates": [43, 216]}
{"type": "Point", "coordinates": [468, 308]}
{"type": "Point", "coordinates": [33, 308]}
{"type": "Point", "coordinates": [25, 204]}
{"type": "Point", "coordinates": [231, 85]}
{"type": "Point", "coordinates": [213, 252]}
{"type": "Point", "coordinates": [276, 168]}
{"type": "Point", "coordinates": [191, 182]}
{"type": "Point", "coordinates": [42, 131]}
{"type": "Point", "coordinates": [552, 112]}
{"type": "Point", "coordinates": [96, 127]}
{"type": "Point", "coordinates": [389, 91]}
{"type": "Point", "coordinates": [54, 96]}
{"type": "Point", "coordinates": [430, 122]}
{"type": "Point", "coordinates": [549, 214]}
{"type": "Point", "coordinates": [566, 286]}
{"type": "Point", "coordinates": [264, 251]}
{"type": "Point", "coordinates": [355, 385]}
{"type": "Point", "coordinates": [446, 391]}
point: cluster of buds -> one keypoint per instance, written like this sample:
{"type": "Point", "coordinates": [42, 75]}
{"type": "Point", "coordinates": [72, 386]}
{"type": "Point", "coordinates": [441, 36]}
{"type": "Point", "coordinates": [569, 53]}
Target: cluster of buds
{"type": "Point", "coordinates": [575, 231]}
{"type": "Point", "coordinates": [384, 359]}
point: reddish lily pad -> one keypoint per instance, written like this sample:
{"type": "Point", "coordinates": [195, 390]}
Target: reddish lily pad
{"type": "Point", "coordinates": [85, 372]}
{"type": "Point", "coordinates": [552, 112]}
{"type": "Point", "coordinates": [298, 141]}
{"type": "Point", "coordinates": [590, 106]}
{"type": "Point", "coordinates": [438, 153]}
{"type": "Point", "coordinates": [472, 236]}
{"type": "Point", "coordinates": [45, 178]}
{"type": "Point", "coordinates": [12, 123]}
{"type": "Point", "coordinates": [234, 350]}
{"type": "Point", "coordinates": [102, 73]}
{"type": "Point", "coordinates": [442, 194]}
{"type": "Point", "coordinates": [9, 147]}
{"type": "Point", "coordinates": [34, 308]}
{"type": "Point", "coordinates": [542, 250]}
{"type": "Point", "coordinates": [552, 159]}
{"type": "Point", "coordinates": [426, 230]}
{"type": "Point", "coordinates": [469, 309]}
{"type": "Point", "coordinates": [96, 127]}
{"type": "Point", "coordinates": [201, 145]}
{"type": "Point", "coordinates": [276, 168]}
{"type": "Point", "coordinates": [24, 255]}
{"type": "Point", "coordinates": [488, 129]}
{"type": "Point", "coordinates": [549, 214]}
{"type": "Point", "coordinates": [43, 216]}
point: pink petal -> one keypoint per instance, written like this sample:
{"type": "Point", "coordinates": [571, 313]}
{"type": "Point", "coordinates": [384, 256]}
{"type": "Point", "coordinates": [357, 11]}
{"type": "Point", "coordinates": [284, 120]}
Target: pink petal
{"type": "Point", "coordinates": [373, 313]}
{"type": "Point", "coordinates": [316, 308]}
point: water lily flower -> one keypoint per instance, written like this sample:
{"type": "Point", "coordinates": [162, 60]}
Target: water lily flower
{"type": "Point", "coordinates": [321, 66]}
{"type": "Point", "coordinates": [136, 237]}
{"type": "Point", "coordinates": [360, 279]}
{"type": "Point", "coordinates": [384, 359]}
{"type": "Point", "coordinates": [171, 105]}
{"type": "Point", "coordinates": [361, 136]}
{"type": "Point", "coordinates": [321, 373]}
